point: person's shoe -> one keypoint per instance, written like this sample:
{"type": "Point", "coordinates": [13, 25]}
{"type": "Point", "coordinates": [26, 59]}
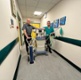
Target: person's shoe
{"type": "Point", "coordinates": [31, 62]}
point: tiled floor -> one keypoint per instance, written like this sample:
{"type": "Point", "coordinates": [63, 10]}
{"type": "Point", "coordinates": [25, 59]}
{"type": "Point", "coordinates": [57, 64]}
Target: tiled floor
{"type": "Point", "coordinates": [51, 67]}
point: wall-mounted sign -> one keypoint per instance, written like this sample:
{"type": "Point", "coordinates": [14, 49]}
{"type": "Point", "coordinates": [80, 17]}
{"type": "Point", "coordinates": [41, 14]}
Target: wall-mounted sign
{"type": "Point", "coordinates": [56, 23]}
{"type": "Point", "coordinates": [11, 23]}
{"type": "Point", "coordinates": [45, 15]}
{"type": "Point", "coordinates": [13, 8]}
{"type": "Point", "coordinates": [63, 20]}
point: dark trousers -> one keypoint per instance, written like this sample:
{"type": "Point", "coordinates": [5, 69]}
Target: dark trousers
{"type": "Point", "coordinates": [48, 42]}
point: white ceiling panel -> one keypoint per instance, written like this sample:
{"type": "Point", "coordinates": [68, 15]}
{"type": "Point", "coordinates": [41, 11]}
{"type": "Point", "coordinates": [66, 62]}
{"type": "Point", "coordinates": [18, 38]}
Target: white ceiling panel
{"type": "Point", "coordinates": [46, 0]}
{"type": "Point", "coordinates": [22, 7]}
{"type": "Point", "coordinates": [31, 2]}
{"type": "Point", "coordinates": [54, 1]}
{"type": "Point", "coordinates": [30, 8]}
{"type": "Point", "coordinates": [27, 7]}
{"type": "Point", "coordinates": [21, 2]}
{"type": "Point", "coordinates": [43, 5]}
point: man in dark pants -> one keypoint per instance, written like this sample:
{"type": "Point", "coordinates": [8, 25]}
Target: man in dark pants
{"type": "Point", "coordinates": [49, 30]}
{"type": "Point", "coordinates": [27, 29]}
{"type": "Point", "coordinates": [48, 43]}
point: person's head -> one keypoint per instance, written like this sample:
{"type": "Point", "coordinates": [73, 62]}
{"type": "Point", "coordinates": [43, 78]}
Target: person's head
{"type": "Point", "coordinates": [48, 23]}
{"type": "Point", "coordinates": [28, 21]}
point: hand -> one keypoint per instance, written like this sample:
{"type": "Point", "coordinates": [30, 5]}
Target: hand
{"type": "Point", "coordinates": [53, 34]}
{"type": "Point", "coordinates": [28, 37]}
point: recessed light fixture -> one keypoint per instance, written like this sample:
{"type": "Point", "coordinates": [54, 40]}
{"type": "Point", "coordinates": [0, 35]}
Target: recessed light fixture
{"type": "Point", "coordinates": [37, 13]}
{"type": "Point", "coordinates": [45, 15]}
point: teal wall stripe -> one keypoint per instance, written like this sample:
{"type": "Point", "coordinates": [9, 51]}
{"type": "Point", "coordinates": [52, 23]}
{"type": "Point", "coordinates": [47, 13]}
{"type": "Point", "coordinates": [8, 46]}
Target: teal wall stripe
{"type": "Point", "coordinates": [69, 40]}
{"type": "Point", "coordinates": [6, 50]}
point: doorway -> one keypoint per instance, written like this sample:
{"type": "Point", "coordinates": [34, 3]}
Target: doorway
{"type": "Point", "coordinates": [19, 30]}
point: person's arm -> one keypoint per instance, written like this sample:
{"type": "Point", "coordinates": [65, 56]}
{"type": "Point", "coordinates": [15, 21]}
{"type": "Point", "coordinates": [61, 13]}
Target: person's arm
{"type": "Point", "coordinates": [38, 28]}
{"type": "Point", "coordinates": [41, 28]}
{"type": "Point", "coordinates": [52, 33]}
{"type": "Point", "coordinates": [52, 30]}
{"type": "Point", "coordinates": [25, 33]}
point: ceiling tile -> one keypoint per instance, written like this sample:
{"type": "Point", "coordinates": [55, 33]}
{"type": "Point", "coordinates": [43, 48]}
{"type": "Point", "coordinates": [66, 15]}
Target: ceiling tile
{"type": "Point", "coordinates": [30, 8]}
{"type": "Point", "coordinates": [45, 1]}
{"type": "Point", "coordinates": [21, 2]}
{"type": "Point", "coordinates": [31, 2]}
{"type": "Point", "coordinates": [22, 7]}
{"type": "Point", "coordinates": [27, 7]}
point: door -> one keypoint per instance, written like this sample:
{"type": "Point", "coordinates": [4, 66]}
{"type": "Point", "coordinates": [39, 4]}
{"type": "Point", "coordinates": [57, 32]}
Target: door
{"type": "Point", "coordinates": [19, 30]}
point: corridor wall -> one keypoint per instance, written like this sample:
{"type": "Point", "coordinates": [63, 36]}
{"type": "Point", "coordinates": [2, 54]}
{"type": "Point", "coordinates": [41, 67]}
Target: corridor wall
{"type": "Point", "coordinates": [33, 20]}
{"type": "Point", "coordinates": [9, 41]}
{"type": "Point", "coordinates": [68, 45]}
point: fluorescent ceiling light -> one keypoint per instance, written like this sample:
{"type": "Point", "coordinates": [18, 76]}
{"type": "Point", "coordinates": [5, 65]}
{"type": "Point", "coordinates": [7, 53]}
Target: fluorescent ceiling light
{"type": "Point", "coordinates": [37, 13]}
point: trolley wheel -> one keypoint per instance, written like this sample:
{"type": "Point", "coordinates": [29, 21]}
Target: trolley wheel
{"type": "Point", "coordinates": [46, 54]}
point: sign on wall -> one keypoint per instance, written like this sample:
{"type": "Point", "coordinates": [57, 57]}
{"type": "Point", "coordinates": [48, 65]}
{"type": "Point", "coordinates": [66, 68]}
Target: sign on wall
{"type": "Point", "coordinates": [11, 23]}
{"type": "Point", "coordinates": [13, 8]}
{"type": "Point", "coordinates": [56, 23]}
{"type": "Point", "coordinates": [63, 20]}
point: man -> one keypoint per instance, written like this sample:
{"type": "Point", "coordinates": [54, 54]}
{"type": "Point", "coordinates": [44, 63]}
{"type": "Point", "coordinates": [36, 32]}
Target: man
{"type": "Point", "coordinates": [49, 30]}
{"type": "Point", "coordinates": [27, 29]}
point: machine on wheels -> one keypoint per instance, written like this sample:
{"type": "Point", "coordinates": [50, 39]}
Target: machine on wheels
{"type": "Point", "coordinates": [30, 51]}
{"type": "Point", "coordinates": [37, 46]}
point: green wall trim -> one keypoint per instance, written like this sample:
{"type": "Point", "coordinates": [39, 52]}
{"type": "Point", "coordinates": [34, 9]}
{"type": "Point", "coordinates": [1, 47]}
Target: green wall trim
{"type": "Point", "coordinates": [69, 40]}
{"type": "Point", "coordinates": [17, 68]}
{"type": "Point", "coordinates": [6, 50]}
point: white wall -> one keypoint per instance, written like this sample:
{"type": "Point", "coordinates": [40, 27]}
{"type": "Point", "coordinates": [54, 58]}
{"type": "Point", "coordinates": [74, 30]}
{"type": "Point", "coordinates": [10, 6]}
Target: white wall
{"type": "Point", "coordinates": [7, 35]}
{"type": "Point", "coordinates": [8, 67]}
{"type": "Point", "coordinates": [34, 20]}
{"type": "Point", "coordinates": [72, 29]}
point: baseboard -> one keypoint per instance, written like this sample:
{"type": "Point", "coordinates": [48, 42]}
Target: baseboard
{"type": "Point", "coordinates": [79, 69]}
{"type": "Point", "coordinates": [16, 72]}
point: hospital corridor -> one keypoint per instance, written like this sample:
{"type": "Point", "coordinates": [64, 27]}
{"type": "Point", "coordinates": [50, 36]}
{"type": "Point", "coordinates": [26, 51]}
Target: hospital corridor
{"type": "Point", "coordinates": [40, 40]}
{"type": "Point", "coordinates": [51, 67]}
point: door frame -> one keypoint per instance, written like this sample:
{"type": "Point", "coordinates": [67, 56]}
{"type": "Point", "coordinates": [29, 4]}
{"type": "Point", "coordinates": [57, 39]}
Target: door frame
{"type": "Point", "coordinates": [20, 30]}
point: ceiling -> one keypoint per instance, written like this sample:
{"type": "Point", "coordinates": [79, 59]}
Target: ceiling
{"type": "Point", "coordinates": [27, 7]}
